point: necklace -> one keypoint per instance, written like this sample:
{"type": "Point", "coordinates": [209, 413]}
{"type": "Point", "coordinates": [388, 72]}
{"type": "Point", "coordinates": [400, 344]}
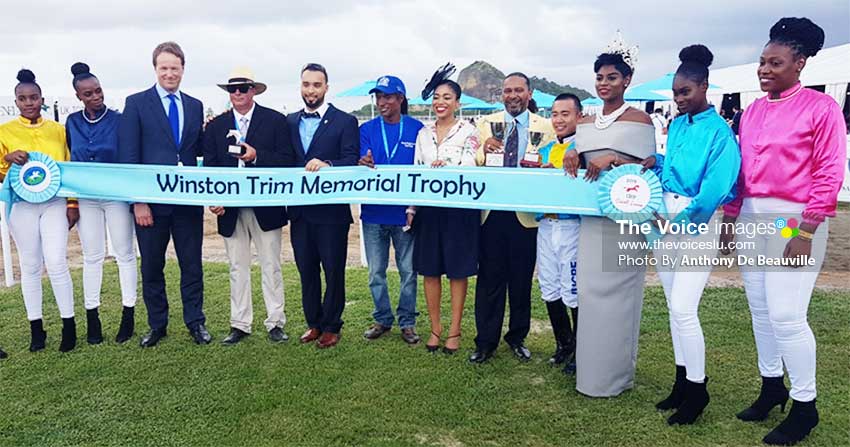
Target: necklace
{"type": "Point", "coordinates": [604, 121]}
{"type": "Point", "coordinates": [96, 120]}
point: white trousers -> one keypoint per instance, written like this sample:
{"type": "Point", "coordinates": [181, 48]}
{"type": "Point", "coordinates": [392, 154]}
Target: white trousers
{"type": "Point", "coordinates": [683, 287]}
{"type": "Point", "coordinates": [779, 298]}
{"type": "Point", "coordinates": [557, 253]}
{"type": "Point", "coordinates": [238, 248]}
{"type": "Point", "coordinates": [118, 219]}
{"type": "Point", "coordinates": [40, 231]}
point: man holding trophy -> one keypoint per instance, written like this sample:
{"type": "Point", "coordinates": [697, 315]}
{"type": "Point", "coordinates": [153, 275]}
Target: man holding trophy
{"type": "Point", "coordinates": [508, 238]}
{"type": "Point", "coordinates": [250, 135]}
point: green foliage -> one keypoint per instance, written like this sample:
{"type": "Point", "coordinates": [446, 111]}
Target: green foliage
{"type": "Point", "coordinates": [380, 393]}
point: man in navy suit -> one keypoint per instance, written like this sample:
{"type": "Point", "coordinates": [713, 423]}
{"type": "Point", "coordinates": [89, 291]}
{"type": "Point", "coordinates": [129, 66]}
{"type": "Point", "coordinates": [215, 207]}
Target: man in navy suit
{"type": "Point", "coordinates": [163, 126]}
{"type": "Point", "coordinates": [248, 136]}
{"type": "Point", "coordinates": [322, 136]}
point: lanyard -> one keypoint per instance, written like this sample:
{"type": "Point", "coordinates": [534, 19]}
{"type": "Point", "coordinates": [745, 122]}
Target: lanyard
{"type": "Point", "coordinates": [390, 155]}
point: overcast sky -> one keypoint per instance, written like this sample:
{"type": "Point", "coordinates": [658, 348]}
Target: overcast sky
{"type": "Point", "coordinates": [362, 40]}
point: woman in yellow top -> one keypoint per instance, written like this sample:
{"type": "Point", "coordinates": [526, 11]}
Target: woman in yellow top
{"type": "Point", "coordinates": [40, 230]}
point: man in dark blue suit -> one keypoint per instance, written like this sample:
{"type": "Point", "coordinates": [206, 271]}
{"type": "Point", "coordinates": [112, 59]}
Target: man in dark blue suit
{"type": "Point", "coordinates": [322, 136]}
{"type": "Point", "coordinates": [163, 126]}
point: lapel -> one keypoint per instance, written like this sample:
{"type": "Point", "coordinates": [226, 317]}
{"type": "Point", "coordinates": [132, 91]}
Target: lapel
{"type": "Point", "coordinates": [159, 114]}
{"type": "Point", "coordinates": [254, 124]}
{"type": "Point", "coordinates": [295, 130]}
{"type": "Point", "coordinates": [323, 125]}
{"type": "Point", "coordinates": [187, 115]}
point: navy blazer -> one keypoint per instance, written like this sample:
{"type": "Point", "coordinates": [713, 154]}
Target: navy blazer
{"type": "Point", "coordinates": [144, 137]}
{"type": "Point", "coordinates": [337, 140]}
{"type": "Point", "coordinates": [268, 133]}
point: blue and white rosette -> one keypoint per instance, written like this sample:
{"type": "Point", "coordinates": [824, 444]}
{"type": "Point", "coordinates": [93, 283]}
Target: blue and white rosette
{"type": "Point", "coordinates": [37, 180]}
{"type": "Point", "coordinates": [626, 193]}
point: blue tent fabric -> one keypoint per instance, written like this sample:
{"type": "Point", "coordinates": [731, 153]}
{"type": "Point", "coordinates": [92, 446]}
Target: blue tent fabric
{"type": "Point", "coordinates": [639, 93]}
{"type": "Point", "coordinates": [360, 90]}
{"type": "Point", "coordinates": [647, 90]}
{"type": "Point", "coordinates": [591, 101]}
{"type": "Point", "coordinates": [543, 100]}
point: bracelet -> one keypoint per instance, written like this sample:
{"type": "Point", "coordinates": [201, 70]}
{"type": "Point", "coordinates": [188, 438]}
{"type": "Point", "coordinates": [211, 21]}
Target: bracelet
{"type": "Point", "coordinates": [73, 205]}
{"type": "Point", "coordinates": [805, 235]}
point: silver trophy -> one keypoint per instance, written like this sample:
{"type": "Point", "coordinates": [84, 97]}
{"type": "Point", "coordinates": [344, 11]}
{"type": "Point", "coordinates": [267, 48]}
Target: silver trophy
{"type": "Point", "coordinates": [236, 149]}
{"type": "Point", "coordinates": [496, 159]}
{"type": "Point", "coordinates": [531, 159]}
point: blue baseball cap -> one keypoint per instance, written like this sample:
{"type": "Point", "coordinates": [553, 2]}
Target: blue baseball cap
{"type": "Point", "coordinates": [389, 85]}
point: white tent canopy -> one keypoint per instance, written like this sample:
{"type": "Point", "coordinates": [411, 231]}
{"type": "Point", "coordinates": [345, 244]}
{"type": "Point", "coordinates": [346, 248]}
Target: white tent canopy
{"type": "Point", "coordinates": [830, 67]}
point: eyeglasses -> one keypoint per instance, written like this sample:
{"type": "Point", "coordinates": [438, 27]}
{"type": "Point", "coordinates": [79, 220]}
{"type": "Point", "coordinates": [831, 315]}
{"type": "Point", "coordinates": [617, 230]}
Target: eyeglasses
{"type": "Point", "coordinates": [242, 88]}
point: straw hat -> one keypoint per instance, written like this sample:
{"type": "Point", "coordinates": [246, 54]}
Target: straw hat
{"type": "Point", "coordinates": [241, 76]}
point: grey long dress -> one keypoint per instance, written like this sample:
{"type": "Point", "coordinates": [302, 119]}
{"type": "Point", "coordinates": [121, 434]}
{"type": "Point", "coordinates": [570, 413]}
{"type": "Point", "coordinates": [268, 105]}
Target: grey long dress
{"type": "Point", "coordinates": [611, 292]}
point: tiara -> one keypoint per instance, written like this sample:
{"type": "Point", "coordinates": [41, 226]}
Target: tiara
{"type": "Point", "coordinates": [628, 53]}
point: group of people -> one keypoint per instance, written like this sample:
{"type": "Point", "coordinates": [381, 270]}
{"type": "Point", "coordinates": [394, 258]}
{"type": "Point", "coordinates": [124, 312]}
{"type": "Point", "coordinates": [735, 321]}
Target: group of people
{"type": "Point", "coordinates": [789, 161]}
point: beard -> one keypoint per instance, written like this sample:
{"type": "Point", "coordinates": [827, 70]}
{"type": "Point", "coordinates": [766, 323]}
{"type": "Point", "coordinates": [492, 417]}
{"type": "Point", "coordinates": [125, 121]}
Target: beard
{"type": "Point", "coordinates": [313, 105]}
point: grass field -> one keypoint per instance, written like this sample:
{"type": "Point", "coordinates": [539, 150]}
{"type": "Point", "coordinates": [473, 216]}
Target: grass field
{"type": "Point", "coordinates": [381, 393]}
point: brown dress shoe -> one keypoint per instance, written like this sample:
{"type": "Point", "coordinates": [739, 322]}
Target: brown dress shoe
{"type": "Point", "coordinates": [327, 340]}
{"type": "Point", "coordinates": [312, 334]}
{"type": "Point", "coordinates": [376, 331]}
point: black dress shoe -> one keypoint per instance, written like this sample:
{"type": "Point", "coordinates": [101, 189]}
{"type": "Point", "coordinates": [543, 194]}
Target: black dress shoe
{"type": "Point", "coordinates": [480, 356]}
{"type": "Point", "coordinates": [276, 335]}
{"type": "Point", "coordinates": [153, 337]}
{"type": "Point", "coordinates": [521, 352]}
{"type": "Point", "coordinates": [200, 335]}
{"type": "Point", "coordinates": [235, 336]}
{"type": "Point", "coordinates": [3, 354]}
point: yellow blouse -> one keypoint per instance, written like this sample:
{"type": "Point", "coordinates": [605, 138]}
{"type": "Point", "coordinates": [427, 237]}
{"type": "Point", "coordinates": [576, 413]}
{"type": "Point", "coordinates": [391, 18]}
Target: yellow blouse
{"type": "Point", "coordinates": [45, 136]}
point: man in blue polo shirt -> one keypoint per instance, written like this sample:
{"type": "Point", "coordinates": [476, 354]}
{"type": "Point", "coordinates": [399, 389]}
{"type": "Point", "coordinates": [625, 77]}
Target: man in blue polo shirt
{"type": "Point", "coordinates": [389, 139]}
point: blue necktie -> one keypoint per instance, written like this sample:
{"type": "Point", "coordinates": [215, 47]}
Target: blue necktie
{"type": "Point", "coordinates": [174, 119]}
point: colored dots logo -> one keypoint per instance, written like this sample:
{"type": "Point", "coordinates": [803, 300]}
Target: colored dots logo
{"type": "Point", "coordinates": [789, 227]}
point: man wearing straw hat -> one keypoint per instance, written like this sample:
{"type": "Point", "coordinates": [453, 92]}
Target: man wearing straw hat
{"type": "Point", "coordinates": [250, 135]}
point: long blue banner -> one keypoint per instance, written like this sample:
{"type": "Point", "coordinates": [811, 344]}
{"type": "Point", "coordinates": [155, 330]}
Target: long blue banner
{"type": "Point", "coordinates": [623, 190]}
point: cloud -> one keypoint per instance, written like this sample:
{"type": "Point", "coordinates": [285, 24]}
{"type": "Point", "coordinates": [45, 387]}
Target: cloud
{"type": "Point", "coordinates": [362, 40]}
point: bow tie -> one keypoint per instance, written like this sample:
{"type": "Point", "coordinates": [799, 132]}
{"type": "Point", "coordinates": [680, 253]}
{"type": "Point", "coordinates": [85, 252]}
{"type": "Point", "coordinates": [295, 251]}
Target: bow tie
{"type": "Point", "coordinates": [311, 115]}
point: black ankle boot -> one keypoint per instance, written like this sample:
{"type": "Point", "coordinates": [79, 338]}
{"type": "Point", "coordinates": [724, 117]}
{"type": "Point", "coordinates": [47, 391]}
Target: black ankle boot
{"type": "Point", "coordinates": [570, 364]}
{"type": "Point", "coordinates": [695, 401]}
{"type": "Point", "coordinates": [38, 338]}
{"type": "Point", "coordinates": [69, 335]}
{"type": "Point", "coordinates": [3, 354]}
{"type": "Point", "coordinates": [773, 393]}
{"type": "Point", "coordinates": [802, 418]}
{"type": "Point", "coordinates": [677, 394]}
{"type": "Point", "coordinates": [561, 329]}
{"type": "Point", "coordinates": [94, 334]}
{"type": "Point", "coordinates": [128, 325]}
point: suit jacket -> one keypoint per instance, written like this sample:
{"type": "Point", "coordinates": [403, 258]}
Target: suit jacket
{"type": "Point", "coordinates": [144, 137]}
{"type": "Point", "coordinates": [337, 141]}
{"type": "Point", "coordinates": [536, 123]}
{"type": "Point", "coordinates": [268, 133]}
